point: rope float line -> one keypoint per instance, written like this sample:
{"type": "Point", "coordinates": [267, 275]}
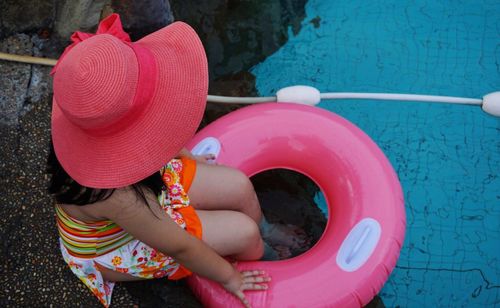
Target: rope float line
{"type": "Point", "coordinates": [27, 59]}
{"type": "Point", "coordinates": [311, 96]}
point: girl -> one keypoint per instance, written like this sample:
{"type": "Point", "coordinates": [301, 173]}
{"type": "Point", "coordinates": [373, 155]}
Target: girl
{"type": "Point", "coordinates": [121, 112]}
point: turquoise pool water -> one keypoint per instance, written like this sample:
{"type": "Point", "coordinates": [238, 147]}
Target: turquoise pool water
{"type": "Point", "coordinates": [447, 157]}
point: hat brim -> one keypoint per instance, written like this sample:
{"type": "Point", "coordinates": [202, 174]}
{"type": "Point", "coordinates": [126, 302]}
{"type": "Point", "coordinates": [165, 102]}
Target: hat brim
{"type": "Point", "coordinates": [173, 115]}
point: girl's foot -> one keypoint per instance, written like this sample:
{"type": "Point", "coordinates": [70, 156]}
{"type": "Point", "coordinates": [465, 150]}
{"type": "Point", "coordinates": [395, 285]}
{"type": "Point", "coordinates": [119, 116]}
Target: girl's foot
{"type": "Point", "coordinates": [287, 235]}
{"type": "Point", "coordinates": [283, 252]}
{"type": "Point", "coordinates": [270, 254]}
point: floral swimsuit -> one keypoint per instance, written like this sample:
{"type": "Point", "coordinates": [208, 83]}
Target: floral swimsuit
{"type": "Point", "coordinates": [86, 247]}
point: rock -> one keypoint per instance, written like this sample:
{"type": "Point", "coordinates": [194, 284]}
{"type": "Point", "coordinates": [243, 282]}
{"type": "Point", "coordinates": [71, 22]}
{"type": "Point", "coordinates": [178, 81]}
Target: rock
{"type": "Point", "coordinates": [25, 16]}
{"type": "Point", "coordinates": [40, 86]}
{"type": "Point", "coordinates": [76, 15]}
{"type": "Point", "coordinates": [162, 293]}
{"type": "Point", "coordinates": [143, 17]}
{"type": "Point", "coordinates": [232, 31]}
{"type": "Point", "coordinates": [138, 17]}
{"type": "Point", "coordinates": [237, 35]}
{"type": "Point", "coordinates": [22, 84]}
{"type": "Point", "coordinates": [15, 79]}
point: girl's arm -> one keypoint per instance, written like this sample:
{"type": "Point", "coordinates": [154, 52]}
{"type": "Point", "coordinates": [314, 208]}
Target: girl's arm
{"type": "Point", "coordinates": [185, 153]}
{"type": "Point", "coordinates": [152, 226]}
{"type": "Point", "coordinates": [162, 233]}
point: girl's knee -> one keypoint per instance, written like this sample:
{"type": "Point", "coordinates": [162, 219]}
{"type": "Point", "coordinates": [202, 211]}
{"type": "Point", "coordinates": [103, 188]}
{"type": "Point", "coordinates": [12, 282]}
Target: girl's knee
{"type": "Point", "coordinates": [251, 239]}
{"type": "Point", "coordinates": [241, 180]}
{"type": "Point", "coordinates": [244, 186]}
{"type": "Point", "coordinates": [246, 200]}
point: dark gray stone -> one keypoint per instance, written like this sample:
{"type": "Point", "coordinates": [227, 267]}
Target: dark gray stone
{"type": "Point", "coordinates": [15, 79]}
{"type": "Point", "coordinates": [239, 34]}
{"type": "Point", "coordinates": [22, 84]}
{"type": "Point", "coordinates": [76, 15]}
{"type": "Point", "coordinates": [40, 85]}
{"type": "Point", "coordinates": [143, 17]}
{"type": "Point", "coordinates": [25, 16]}
{"type": "Point", "coordinates": [139, 18]}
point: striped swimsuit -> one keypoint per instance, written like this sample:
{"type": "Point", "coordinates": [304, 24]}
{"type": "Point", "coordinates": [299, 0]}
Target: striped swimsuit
{"type": "Point", "coordinates": [86, 247]}
{"type": "Point", "coordinates": [87, 240]}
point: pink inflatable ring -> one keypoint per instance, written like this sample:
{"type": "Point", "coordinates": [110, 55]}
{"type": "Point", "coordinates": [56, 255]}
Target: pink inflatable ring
{"type": "Point", "coordinates": [366, 219]}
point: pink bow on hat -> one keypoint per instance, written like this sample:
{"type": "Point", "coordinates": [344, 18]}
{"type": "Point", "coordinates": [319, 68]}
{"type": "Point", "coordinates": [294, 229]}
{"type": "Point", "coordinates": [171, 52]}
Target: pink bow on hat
{"type": "Point", "coordinates": [110, 25]}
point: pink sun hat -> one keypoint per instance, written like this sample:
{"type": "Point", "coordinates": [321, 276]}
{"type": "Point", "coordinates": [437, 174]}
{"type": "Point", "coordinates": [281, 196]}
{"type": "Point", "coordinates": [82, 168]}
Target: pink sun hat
{"type": "Point", "coordinates": [122, 109]}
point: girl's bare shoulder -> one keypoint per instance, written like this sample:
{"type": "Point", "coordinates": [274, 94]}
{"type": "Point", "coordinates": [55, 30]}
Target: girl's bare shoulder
{"type": "Point", "coordinates": [123, 202]}
{"type": "Point", "coordinates": [126, 203]}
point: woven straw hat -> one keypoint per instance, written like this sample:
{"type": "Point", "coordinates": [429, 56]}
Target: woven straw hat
{"type": "Point", "coordinates": [121, 110]}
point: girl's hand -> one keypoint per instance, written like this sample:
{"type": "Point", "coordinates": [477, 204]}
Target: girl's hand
{"type": "Point", "coordinates": [247, 281]}
{"type": "Point", "coordinates": [205, 158]}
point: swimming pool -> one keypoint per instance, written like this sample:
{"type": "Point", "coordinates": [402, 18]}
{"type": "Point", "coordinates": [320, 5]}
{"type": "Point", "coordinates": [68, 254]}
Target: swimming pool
{"type": "Point", "coordinates": [447, 157]}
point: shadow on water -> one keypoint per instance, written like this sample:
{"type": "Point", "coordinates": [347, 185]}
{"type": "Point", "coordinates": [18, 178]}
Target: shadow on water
{"type": "Point", "coordinates": [287, 198]}
{"type": "Point", "coordinates": [238, 34]}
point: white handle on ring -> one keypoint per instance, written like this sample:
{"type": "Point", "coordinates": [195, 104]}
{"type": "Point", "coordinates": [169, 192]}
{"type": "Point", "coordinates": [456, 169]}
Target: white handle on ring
{"type": "Point", "coordinates": [359, 244]}
{"type": "Point", "coordinates": [209, 145]}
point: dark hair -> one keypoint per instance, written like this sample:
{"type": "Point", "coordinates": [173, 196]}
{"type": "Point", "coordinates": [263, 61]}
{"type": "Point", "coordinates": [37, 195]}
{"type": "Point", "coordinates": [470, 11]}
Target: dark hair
{"type": "Point", "coordinates": [68, 191]}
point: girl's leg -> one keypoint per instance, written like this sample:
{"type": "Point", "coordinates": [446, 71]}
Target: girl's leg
{"type": "Point", "coordinates": [217, 187]}
{"type": "Point", "coordinates": [231, 233]}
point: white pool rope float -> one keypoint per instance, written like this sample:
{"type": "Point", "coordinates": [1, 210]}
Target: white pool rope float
{"type": "Point", "coordinates": [311, 96]}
